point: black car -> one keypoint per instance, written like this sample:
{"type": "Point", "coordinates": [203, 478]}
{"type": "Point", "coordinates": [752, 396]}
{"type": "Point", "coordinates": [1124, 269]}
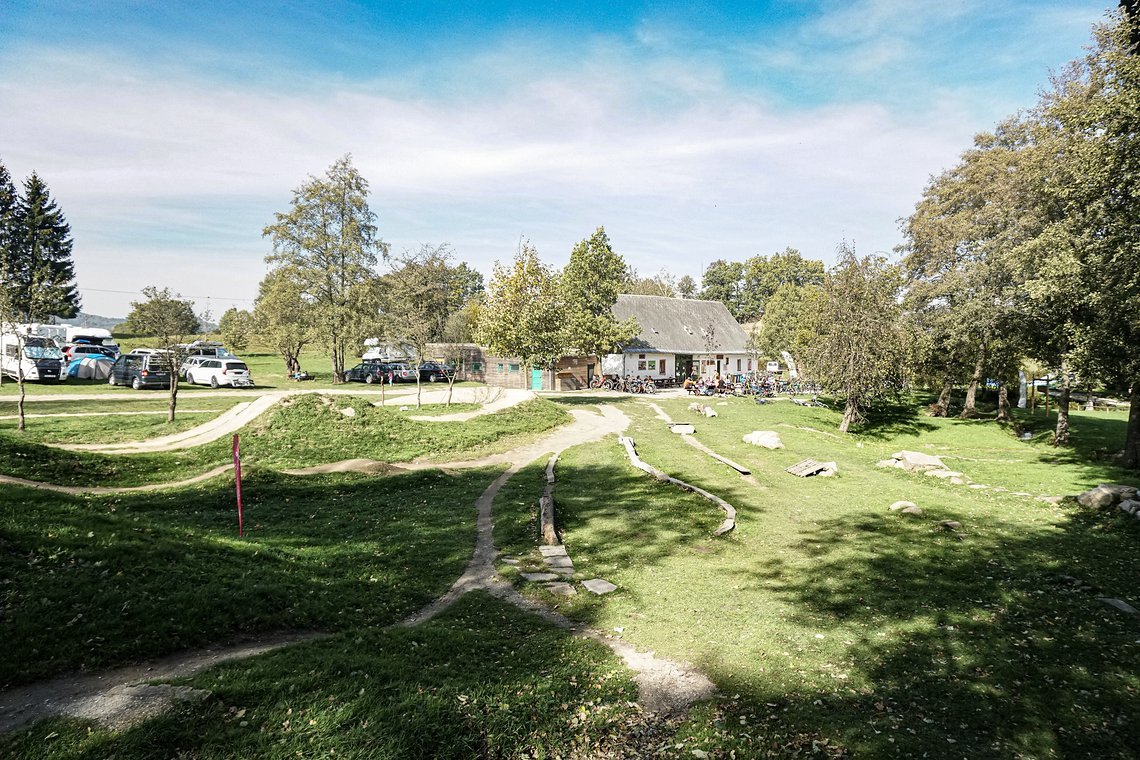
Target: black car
{"type": "Point", "coordinates": [367, 372]}
{"type": "Point", "coordinates": [433, 372]}
{"type": "Point", "coordinates": [141, 371]}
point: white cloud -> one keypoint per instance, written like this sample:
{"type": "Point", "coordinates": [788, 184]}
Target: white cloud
{"type": "Point", "coordinates": [168, 177]}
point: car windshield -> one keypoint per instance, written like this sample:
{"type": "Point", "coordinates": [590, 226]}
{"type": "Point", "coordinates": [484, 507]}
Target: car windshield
{"type": "Point", "coordinates": [39, 348]}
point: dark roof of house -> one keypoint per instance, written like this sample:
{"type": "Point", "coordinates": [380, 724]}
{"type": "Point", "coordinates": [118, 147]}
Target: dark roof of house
{"type": "Point", "coordinates": [681, 325]}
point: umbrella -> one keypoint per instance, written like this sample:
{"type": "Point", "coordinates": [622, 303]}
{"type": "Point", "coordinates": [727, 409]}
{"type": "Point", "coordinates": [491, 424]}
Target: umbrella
{"type": "Point", "coordinates": [90, 367]}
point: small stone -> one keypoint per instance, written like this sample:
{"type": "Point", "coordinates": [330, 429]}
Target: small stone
{"type": "Point", "coordinates": [561, 588]}
{"type": "Point", "coordinates": [541, 577]}
{"type": "Point", "coordinates": [348, 411]}
{"type": "Point", "coordinates": [1051, 499]}
{"type": "Point", "coordinates": [709, 411]}
{"type": "Point", "coordinates": [916, 511]}
{"type": "Point", "coordinates": [695, 407]}
{"type": "Point", "coordinates": [949, 525]}
{"type": "Point", "coordinates": [510, 561]}
{"type": "Point", "coordinates": [901, 505]}
{"type": "Point", "coordinates": [978, 486]}
{"type": "Point", "coordinates": [959, 481]}
{"type": "Point", "coordinates": [599, 586]}
{"type": "Point", "coordinates": [682, 428]}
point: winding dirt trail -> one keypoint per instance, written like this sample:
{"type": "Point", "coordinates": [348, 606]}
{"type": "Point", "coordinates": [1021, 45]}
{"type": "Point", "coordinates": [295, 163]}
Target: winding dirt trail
{"type": "Point", "coordinates": [123, 697]}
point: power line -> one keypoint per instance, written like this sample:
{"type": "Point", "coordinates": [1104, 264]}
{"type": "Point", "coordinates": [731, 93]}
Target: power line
{"type": "Point", "coordinates": [139, 293]}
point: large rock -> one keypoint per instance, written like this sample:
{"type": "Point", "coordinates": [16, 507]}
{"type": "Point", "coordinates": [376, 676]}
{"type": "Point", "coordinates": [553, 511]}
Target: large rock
{"type": "Point", "coordinates": [769, 439]}
{"type": "Point", "coordinates": [1124, 492]}
{"type": "Point", "coordinates": [709, 411]}
{"type": "Point", "coordinates": [1130, 506]}
{"type": "Point", "coordinates": [912, 510]}
{"type": "Point", "coordinates": [901, 505]}
{"type": "Point", "coordinates": [1099, 497]}
{"type": "Point", "coordinates": [916, 461]}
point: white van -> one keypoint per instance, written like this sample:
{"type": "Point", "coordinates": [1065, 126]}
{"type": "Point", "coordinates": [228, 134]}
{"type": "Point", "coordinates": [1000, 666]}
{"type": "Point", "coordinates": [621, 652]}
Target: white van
{"type": "Point", "coordinates": [36, 358]}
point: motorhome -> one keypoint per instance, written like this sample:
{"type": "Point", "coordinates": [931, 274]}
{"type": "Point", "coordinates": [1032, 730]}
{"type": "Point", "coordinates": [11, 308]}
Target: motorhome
{"type": "Point", "coordinates": [24, 352]}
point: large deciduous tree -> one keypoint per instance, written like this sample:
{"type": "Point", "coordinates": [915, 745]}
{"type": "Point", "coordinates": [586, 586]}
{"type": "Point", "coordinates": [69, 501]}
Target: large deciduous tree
{"type": "Point", "coordinates": [590, 284]}
{"type": "Point", "coordinates": [722, 282]}
{"type": "Point", "coordinates": [236, 327]}
{"type": "Point", "coordinates": [328, 238]}
{"type": "Point", "coordinates": [856, 348]}
{"type": "Point", "coordinates": [523, 314]}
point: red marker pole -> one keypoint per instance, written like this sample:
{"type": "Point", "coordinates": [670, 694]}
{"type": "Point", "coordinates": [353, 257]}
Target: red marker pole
{"type": "Point", "coordinates": [237, 482]}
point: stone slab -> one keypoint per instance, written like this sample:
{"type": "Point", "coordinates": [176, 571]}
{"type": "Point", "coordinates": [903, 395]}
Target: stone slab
{"type": "Point", "coordinates": [541, 577]}
{"type": "Point", "coordinates": [599, 586]}
{"type": "Point", "coordinates": [561, 589]}
{"type": "Point", "coordinates": [553, 551]}
{"type": "Point", "coordinates": [560, 561]}
{"type": "Point", "coordinates": [1120, 605]}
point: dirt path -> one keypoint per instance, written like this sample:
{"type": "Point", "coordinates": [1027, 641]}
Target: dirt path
{"type": "Point", "coordinates": [122, 697]}
{"type": "Point", "coordinates": [79, 490]}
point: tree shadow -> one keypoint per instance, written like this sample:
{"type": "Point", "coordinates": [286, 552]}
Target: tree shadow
{"type": "Point", "coordinates": [887, 420]}
{"type": "Point", "coordinates": [977, 642]}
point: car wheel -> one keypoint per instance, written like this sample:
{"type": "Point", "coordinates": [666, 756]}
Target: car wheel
{"type": "Point", "coordinates": [433, 378]}
{"type": "Point", "coordinates": [213, 382]}
{"type": "Point", "coordinates": [136, 384]}
{"type": "Point", "coordinates": [370, 379]}
{"type": "Point", "coordinates": [110, 379]}
{"type": "Point", "coordinates": [189, 378]}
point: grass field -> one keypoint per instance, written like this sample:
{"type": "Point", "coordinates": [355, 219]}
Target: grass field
{"type": "Point", "coordinates": [831, 625]}
{"type": "Point", "coordinates": [98, 421]}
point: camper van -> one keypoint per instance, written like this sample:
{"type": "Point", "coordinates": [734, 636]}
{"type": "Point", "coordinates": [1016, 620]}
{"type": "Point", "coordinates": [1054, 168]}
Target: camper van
{"type": "Point", "coordinates": [35, 357]}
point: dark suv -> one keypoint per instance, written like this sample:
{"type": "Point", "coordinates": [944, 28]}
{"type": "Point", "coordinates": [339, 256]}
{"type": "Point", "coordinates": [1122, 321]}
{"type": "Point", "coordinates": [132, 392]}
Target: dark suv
{"type": "Point", "coordinates": [367, 372]}
{"type": "Point", "coordinates": [141, 371]}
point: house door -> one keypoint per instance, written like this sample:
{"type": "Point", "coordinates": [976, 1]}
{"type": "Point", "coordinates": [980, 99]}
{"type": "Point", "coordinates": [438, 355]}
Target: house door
{"type": "Point", "coordinates": [535, 379]}
{"type": "Point", "coordinates": [589, 374]}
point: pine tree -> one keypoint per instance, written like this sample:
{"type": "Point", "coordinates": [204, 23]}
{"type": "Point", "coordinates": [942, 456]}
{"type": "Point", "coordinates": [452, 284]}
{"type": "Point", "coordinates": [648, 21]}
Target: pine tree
{"type": "Point", "coordinates": [38, 271]}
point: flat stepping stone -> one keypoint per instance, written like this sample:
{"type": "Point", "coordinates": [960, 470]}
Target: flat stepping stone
{"type": "Point", "coordinates": [510, 561]}
{"type": "Point", "coordinates": [1118, 604]}
{"type": "Point", "coordinates": [599, 586]}
{"type": "Point", "coordinates": [561, 589]}
{"type": "Point", "coordinates": [807, 468]}
{"type": "Point", "coordinates": [979, 486]}
{"type": "Point", "coordinates": [553, 551]}
{"type": "Point", "coordinates": [541, 577]}
{"type": "Point", "coordinates": [560, 562]}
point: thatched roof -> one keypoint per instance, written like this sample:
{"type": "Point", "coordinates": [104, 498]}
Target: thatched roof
{"type": "Point", "coordinates": [681, 325]}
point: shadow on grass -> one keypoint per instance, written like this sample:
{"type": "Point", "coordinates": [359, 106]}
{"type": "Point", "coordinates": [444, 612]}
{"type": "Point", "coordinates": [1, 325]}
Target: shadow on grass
{"type": "Point", "coordinates": [889, 419]}
{"type": "Point", "coordinates": [102, 581]}
{"type": "Point", "coordinates": [483, 679]}
{"type": "Point", "coordinates": [972, 644]}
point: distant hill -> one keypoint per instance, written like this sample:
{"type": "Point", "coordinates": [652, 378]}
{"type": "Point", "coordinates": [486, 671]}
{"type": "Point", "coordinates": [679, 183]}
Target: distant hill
{"type": "Point", "coordinates": [83, 319]}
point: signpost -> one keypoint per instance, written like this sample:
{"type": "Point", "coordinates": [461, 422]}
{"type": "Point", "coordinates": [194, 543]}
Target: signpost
{"type": "Point", "coordinates": [237, 483]}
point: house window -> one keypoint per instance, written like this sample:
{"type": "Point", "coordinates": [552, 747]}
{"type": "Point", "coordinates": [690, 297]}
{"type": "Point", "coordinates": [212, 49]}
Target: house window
{"type": "Point", "coordinates": [641, 363]}
{"type": "Point", "coordinates": [478, 367]}
{"type": "Point", "coordinates": [499, 367]}
{"type": "Point", "coordinates": [513, 367]}
{"type": "Point", "coordinates": [651, 364]}
{"type": "Point", "coordinates": [641, 356]}
{"type": "Point", "coordinates": [737, 365]}
{"type": "Point", "coordinates": [749, 365]}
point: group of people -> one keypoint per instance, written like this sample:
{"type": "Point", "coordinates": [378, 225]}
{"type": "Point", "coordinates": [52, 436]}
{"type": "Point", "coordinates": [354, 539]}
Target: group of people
{"type": "Point", "coordinates": [707, 386]}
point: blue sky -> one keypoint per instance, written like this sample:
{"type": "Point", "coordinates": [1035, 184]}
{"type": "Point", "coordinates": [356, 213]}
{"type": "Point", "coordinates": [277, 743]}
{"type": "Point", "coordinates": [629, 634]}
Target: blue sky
{"type": "Point", "coordinates": [170, 132]}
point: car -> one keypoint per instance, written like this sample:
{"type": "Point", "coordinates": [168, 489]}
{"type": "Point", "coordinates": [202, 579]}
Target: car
{"type": "Point", "coordinates": [401, 373]}
{"type": "Point", "coordinates": [190, 363]}
{"type": "Point", "coordinates": [79, 350]}
{"type": "Point", "coordinates": [216, 372]}
{"type": "Point", "coordinates": [367, 372]}
{"type": "Point", "coordinates": [141, 370]}
{"type": "Point", "coordinates": [433, 372]}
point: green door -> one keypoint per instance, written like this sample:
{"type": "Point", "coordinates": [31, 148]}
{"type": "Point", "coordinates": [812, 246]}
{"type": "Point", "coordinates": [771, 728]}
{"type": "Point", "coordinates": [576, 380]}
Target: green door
{"type": "Point", "coordinates": [535, 379]}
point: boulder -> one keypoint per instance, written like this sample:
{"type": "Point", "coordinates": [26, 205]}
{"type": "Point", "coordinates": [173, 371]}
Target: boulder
{"type": "Point", "coordinates": [1099, 497]}
{"type": "Point", "coordinates": [1130, 506]}
{"type": "Point", "coordinates": [348, 411]}
{"type": "Point", "coordinates": [1124, 492]}
{"type": "Point", "coordinates": [916, 461]}
{"type": "Point", "coordinates": [829, 469]}
{"type": "Point", "coordinates": [709, 411]}
{"type": "Point", "coordinates": [949, 525]}
{"type": "Point", "coordinates": [768, 439]}
{"type": "Point", "coordinates": [901, 505]}
{"type": "Point", "coordinates": [912, 510]}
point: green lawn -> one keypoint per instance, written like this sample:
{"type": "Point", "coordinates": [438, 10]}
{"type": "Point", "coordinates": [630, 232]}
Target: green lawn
{"type": "Point", "coordinates": [301, 431]}
{"type": "Point", "coordinates": [107, 422]}
{"type": "Point", "coordinates": [833, 620]}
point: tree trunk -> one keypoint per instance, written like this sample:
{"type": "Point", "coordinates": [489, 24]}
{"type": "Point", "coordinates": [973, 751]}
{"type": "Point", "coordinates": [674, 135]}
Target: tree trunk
{"type": "Point", "coordinates": [1003, 413]}
{"type": "Point", "coordinates": [418, 388]}
{"type": "Point", "coordinates": [1046, 398]}
{"type": "Point", "coordinates": [1061, 436]}
{"type": "Point", "coordinates": [1132, 437]}
{"type": "Point", "coordinates": [970, 409]}
{"type": "Point", "coordinates": [942, 407]}
{"type": "Point", "coordinates": [20, 403]}
{"type": "Point", "coordinates": [173, 396]}
{"type": "Point", "coordinates": [850, 414]}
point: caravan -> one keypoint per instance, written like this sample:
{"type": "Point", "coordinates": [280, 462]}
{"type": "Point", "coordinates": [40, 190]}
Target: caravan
{"type": "Point", "coordinates": [26, 354]}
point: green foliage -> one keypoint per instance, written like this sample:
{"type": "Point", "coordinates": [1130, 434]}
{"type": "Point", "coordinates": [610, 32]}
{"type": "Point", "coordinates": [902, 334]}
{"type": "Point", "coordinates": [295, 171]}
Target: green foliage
{"type": "Point", "coordinates": [589, 288]}
{"type": "Point", "coordinates": [856, 347]}
{"type": "Point", "coordinates": [721, 282]}
{"type": "Point", "coordinates": [328, 239]}
{"type": "Point", "coordinates": [745, 287]}
{"type": "Point", "coordinates": [283, 317]}
{"type": "Point", "coordinates": [37, 275]}
{"type": "Point", "coordinates": [236, 327]}
{"type": "Point", "coordinates": [660, 284]}
{"type": "Point", "coordinates": [787, 320]}
{"type": "Point", "coordinates": [164, 315]}
{"type": "Point", "coordinates": [686, 288]}
{"type": "Point", "coordinates": [523, 315]}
